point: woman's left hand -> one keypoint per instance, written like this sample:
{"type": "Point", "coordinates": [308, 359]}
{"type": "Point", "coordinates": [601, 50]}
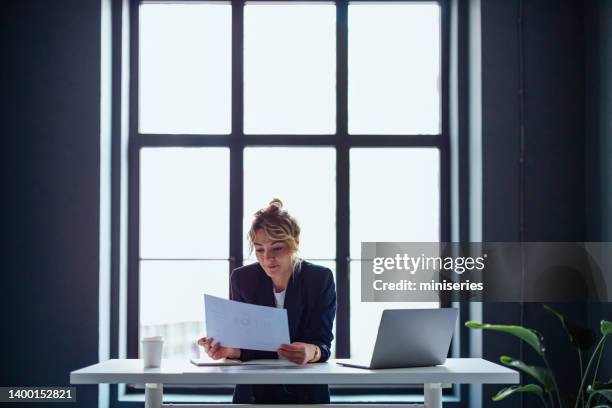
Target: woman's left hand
{"type": "Point", "coordinates": [297, 352]}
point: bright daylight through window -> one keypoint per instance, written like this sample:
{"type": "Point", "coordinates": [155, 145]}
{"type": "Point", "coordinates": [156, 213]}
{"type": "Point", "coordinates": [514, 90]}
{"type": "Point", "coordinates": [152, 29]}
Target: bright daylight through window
{"type": "Point", "coordinates": [344, 161]}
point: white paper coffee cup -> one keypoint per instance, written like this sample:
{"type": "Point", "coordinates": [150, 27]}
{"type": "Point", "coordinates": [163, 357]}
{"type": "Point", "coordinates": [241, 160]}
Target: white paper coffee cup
{"type": "Point", "coordinates": [152, 351]}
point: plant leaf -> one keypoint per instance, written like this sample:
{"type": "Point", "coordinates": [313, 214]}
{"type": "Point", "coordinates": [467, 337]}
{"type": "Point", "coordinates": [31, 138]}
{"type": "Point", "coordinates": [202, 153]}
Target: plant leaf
{"type": "Point", "coordinates": [541, 374]}
{"type": "Point", "coordinates": [506, 392]}
{"type": "Point", "coordinates": [598, 385]}
{"type": "Point", "coordinates": [580, 337]}
{"type": "Point", "coordinates": [606, 327]}
{"type": "Point", "coordinates": [604, 393]}
{"type": "Point", "coordinates": [599, 388]}
{"type": "Point", "coordinates": [529, 336]}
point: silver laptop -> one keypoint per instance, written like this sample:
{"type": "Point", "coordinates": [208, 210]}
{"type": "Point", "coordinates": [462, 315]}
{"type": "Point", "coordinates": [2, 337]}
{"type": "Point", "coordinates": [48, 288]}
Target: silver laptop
{"type": "Point", "coordinates": [410, 338]}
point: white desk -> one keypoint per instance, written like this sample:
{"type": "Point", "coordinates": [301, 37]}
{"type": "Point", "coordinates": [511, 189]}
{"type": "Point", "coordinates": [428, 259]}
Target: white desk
{"type": "Point", "coordinates": [455, 371]}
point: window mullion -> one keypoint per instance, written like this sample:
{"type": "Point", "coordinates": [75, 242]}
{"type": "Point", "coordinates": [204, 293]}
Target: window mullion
{"type": "Point", "coordinates": [342, 183]}
{"type": "Point", "coordinates": [236, 141]}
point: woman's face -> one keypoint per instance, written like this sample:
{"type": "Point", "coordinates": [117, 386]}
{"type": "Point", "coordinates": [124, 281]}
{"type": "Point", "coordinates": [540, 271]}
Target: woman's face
{"type": "Point", "coordinates": [273, 256]}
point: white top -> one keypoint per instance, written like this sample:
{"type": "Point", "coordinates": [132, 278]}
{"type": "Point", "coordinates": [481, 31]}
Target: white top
{"type": "Point", "coordinates": [279, 298]}
{"type": "Point", "coordinates": [455, 370]}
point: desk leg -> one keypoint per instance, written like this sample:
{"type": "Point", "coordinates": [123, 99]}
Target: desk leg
{"type": "Point", "coordinates": [433, 395]}
{"type": "Point", "coordinates": [154, 395]}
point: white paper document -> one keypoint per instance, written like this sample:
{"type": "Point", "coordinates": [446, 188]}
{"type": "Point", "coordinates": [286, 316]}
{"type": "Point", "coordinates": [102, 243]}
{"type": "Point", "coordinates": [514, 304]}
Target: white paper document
{"type": "Point", "coordinates": [209, 362]}
{"type": "Point", "coordinates": [242, 325]}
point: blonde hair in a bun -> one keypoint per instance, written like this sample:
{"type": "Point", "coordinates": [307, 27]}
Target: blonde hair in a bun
{"type": "Point", "coordinates": [278, 225]}
{"type": "Point", "coordinates": [276, 202]}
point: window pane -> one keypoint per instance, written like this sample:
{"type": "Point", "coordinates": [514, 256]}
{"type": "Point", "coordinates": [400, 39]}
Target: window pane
{"type": "Point", "coordinates": [185, 68]}
{"type": "Point", "coordinates": [184, 203]}
{"type": "Point", "coordinates": [290, 68]}
{"type": "Point", "coordinates": [395, 196]}
{"type": "Point", "coordinates": [305, 181]}
{"type": "Point", "coordinates": [172, 301]}
{"type": "Point", "coordinates": [365, 316]}
{"type": "Point", "coordinates": [394, 68]}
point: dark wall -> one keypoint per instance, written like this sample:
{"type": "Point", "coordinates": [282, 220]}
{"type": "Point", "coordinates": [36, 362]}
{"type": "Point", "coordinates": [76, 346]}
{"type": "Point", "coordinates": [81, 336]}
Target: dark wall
{"type": "Point", "coordinates": [541, 55]}
{"type": "Point", "coordinates": [598, 110]}
{"type": "Point", "coordinates": [599, 124]}
{"type": "Point", "coordinates": [554, 43]}
{"type": "Point", "coordinates": [554, 120]}
{"type": "Point", "coordinates": [500, 147]}
{"type": "Point", "coordinates": [53, 55]}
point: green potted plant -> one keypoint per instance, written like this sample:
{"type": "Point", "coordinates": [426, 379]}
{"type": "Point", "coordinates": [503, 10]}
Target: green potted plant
{"type": "Point", "coordinates": [590, 394]}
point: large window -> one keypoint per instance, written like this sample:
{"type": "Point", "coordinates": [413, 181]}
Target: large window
{"type": "Point", "coordinates": [336, 108]}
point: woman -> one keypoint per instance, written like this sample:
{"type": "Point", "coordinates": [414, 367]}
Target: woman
{"type": "Point", "coordinates": [281, 279]}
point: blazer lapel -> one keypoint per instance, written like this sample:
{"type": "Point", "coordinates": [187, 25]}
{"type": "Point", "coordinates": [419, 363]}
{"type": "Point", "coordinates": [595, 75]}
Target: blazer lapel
{"type": "Point", "coordinates": [294, 306]}
{"type": "Point", "coordinates": [265, 290]}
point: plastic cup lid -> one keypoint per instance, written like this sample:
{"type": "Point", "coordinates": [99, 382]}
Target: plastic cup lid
{"type": "Point", "coordinates": [154, 338]}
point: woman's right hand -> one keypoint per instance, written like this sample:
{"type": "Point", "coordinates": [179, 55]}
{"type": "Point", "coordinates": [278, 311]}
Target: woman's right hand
{"type": "Point", "coordinates": [216, 351]}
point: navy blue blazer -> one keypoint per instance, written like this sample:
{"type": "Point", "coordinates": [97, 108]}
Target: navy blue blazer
{"type": "Point", "coordinates": [310, 301]}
